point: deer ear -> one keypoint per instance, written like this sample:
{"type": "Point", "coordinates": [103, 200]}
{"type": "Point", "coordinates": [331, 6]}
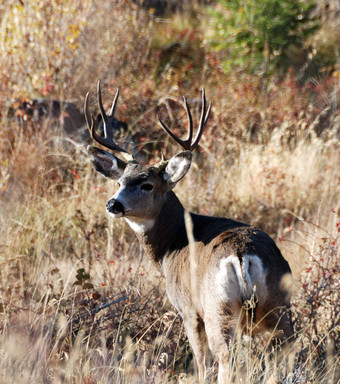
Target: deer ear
{"type": "Point", "coordinates": [177, 167]}
{"type": "Point", "coordinates": [105, 163]}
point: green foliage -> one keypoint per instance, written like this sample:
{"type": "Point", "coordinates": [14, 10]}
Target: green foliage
{"type": "Point", "coordinates": [81, 279]}
{"type": "Point", "coordinates": [77, 303]}
{"type": "Point", "coordinates": [258, 35]}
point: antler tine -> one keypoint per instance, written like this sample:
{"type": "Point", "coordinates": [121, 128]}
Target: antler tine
{"type": "Point", "coordinates": [191, 124]}
{"type": "Point", "coordinates": [102, 110]}
{"type": "Point", "coordinates": [88, 115]}
{"type": "Point", "coordinates": [186, 144]}
{"type": "Point", "coordinates": [105, 141]}
{"type": "Point", "coordinates": [183, 143]}
{"type": "Point", "coordinates": [203, 120]}
{"type": "Point", "coordinates": [113, 107]}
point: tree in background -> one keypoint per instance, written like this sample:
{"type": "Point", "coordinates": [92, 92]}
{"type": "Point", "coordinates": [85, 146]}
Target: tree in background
{"type": "Point", "coordinates": [259, 36]}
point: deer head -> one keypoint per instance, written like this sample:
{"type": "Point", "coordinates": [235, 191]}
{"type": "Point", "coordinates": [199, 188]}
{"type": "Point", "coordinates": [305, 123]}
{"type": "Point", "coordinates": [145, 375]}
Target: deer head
{"type": "Point", "coordinates": [142, 188]}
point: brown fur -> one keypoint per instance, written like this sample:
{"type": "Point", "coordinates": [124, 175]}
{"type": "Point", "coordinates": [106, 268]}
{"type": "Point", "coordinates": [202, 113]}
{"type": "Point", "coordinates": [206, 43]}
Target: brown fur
{"type": "Point", "coordinates": [228, 267]}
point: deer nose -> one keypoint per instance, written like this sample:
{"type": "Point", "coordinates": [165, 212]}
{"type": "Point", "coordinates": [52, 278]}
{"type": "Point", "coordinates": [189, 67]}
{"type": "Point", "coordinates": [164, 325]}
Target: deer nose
{"type": "Point", "coordinates": [114, 206]}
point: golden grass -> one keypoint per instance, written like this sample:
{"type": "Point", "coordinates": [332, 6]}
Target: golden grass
{"type": "Point", "coordinates": [78, 301]}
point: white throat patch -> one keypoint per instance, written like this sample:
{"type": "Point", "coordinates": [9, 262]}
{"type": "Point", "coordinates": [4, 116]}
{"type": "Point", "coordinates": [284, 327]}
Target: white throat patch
{"type": "Point", "coordinates": [141, 226]}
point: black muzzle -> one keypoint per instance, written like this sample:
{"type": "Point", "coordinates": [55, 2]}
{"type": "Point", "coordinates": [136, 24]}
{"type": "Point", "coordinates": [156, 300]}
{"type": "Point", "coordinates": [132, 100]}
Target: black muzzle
{"type": "Point", "coordinates": [114, 206]}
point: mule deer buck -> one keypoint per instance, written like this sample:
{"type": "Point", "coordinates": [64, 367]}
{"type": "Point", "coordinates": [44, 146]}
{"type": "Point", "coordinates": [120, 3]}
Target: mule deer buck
{"type": "Point", "coordinates": [210, 277]}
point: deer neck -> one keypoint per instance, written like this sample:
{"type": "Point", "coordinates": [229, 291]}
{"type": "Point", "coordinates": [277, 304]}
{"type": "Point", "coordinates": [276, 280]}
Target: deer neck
{"type": "Point", "coordinates": [158, 236]}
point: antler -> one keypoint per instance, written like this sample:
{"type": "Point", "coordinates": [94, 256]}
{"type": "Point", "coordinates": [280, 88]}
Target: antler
{"type": "Point", "coordinates": [107, 122]}
{"type": "Point", "coordinates": [187, 144]}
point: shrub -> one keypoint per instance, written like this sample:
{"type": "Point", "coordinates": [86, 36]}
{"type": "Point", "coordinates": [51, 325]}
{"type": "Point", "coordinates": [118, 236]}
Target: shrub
{"type": "Point", "coordinates": [316, 304]}
{"type": "Point", "coordinates": [257, 36]}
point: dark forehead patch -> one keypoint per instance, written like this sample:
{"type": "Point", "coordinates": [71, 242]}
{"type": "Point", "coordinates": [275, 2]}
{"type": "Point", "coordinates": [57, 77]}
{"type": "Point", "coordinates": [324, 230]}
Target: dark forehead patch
{"type": "Point", "coordinates": [135, 174]}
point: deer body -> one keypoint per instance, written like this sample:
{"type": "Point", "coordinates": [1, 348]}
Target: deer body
{"type": "Point", "coordinates": [208, 279]}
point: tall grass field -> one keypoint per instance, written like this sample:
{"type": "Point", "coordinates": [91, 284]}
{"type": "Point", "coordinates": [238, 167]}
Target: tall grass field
{"type": "Point", "coordinates": [79, 301]}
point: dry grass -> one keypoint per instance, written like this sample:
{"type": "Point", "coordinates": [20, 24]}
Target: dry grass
{"type": "Point", "coordinates": [78, 301]}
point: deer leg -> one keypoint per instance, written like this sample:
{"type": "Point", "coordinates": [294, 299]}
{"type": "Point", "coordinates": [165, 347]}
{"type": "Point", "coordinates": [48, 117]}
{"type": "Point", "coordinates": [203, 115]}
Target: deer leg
{"type": "Point", "coordinates": [220, 349]}
{"type": "Point", "coordinates": [194, 327]}
{"type": "Point", "coordinates": [219, 329]}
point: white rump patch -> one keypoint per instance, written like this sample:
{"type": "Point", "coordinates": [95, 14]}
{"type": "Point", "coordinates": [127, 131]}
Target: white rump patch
{"type": "Point", "coordinates": [141, 226]}
{"type": "Point", "coordinates": [236, 281]}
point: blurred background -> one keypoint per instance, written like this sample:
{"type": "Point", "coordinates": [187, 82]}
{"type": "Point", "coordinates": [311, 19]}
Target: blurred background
{"type": "Point", "coordinates": [79, 302]}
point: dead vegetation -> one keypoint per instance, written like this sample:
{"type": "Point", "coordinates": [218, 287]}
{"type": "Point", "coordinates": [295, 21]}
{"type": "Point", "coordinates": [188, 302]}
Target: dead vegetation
{"type": "Point", "coordinates": [78, 302]}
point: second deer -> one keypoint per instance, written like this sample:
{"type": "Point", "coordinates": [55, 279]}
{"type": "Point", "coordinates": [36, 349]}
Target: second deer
{"type": "Point", "coordinates": [210, 278]}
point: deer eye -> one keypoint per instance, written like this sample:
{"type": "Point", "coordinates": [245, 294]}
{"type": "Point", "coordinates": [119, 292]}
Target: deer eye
{"type": "Point", "coordinates": [146, 187]}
